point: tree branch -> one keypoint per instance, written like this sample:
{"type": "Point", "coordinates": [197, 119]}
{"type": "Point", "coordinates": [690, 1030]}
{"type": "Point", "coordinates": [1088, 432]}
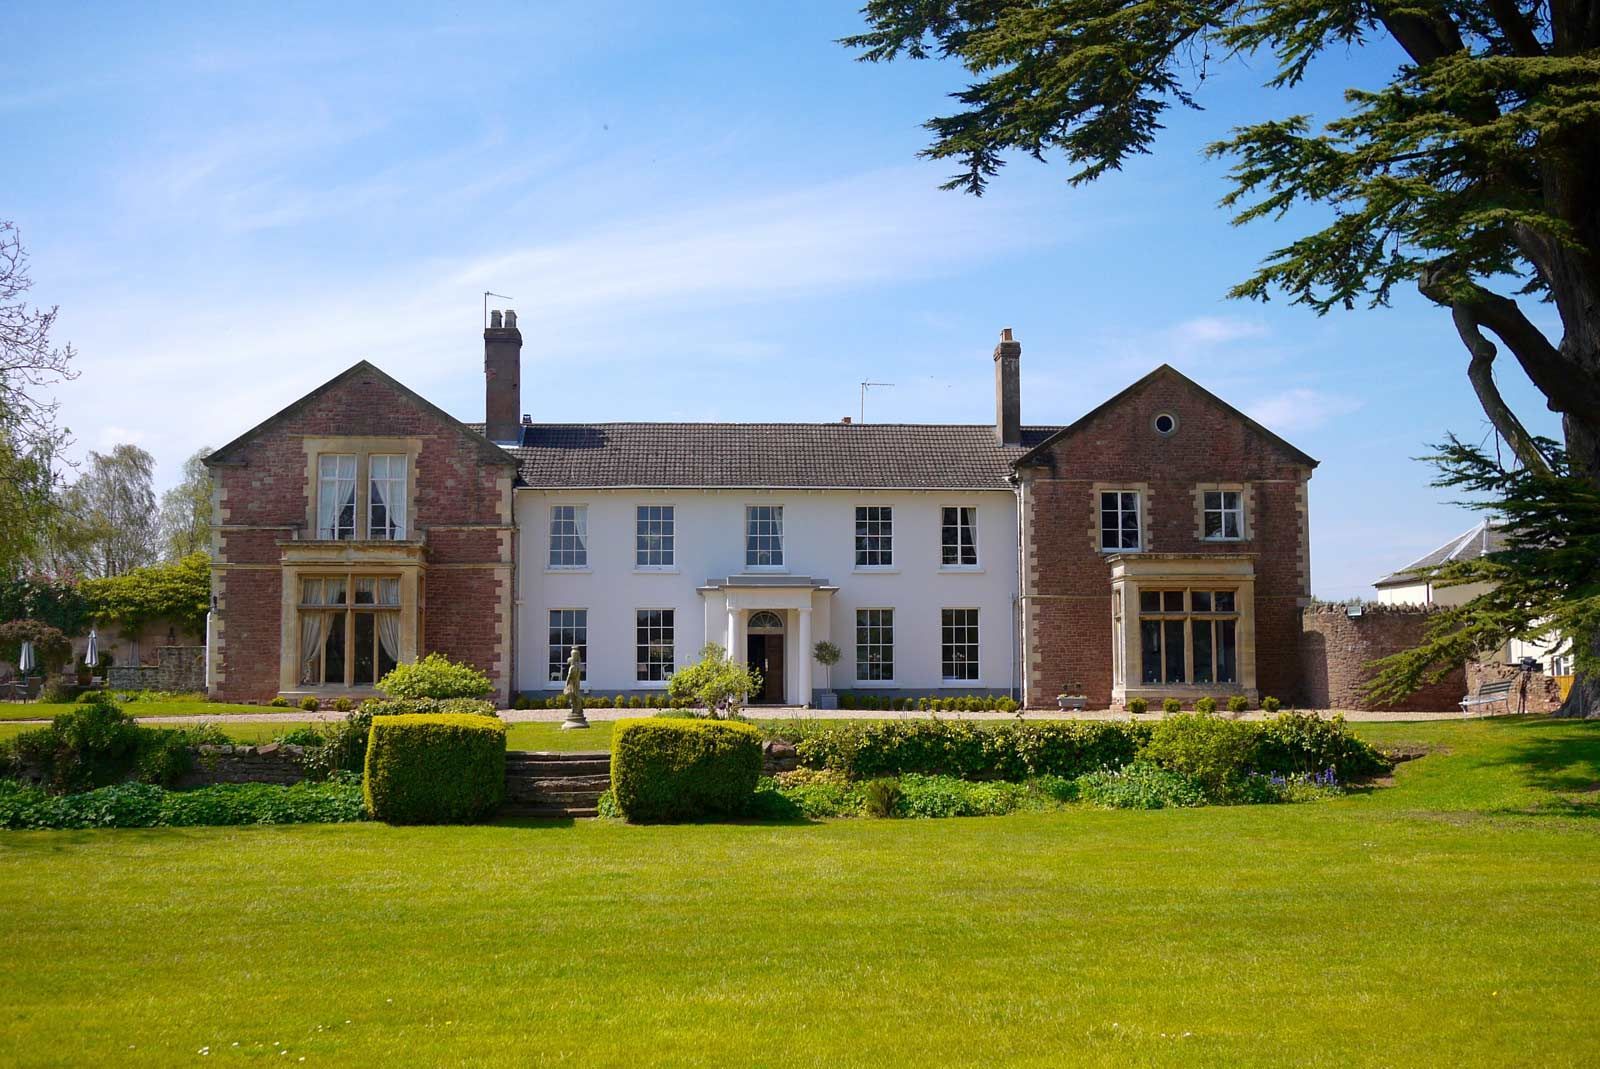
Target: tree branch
{"type": "Point", "coordinates": [1519, 35]}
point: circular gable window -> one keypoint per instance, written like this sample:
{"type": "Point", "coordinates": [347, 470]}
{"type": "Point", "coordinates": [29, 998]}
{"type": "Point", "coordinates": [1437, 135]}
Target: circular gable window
{"type": "Point", "coordinates": [1166, 423]}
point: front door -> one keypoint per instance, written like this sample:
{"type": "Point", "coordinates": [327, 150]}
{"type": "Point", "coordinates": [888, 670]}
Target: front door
{"type": "Point", "coordinates": [765, 653]}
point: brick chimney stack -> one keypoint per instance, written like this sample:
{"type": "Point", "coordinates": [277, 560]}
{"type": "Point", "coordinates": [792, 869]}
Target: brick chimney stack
{"type": "Point", "coordinates": [502, 377]}
{"type": "Point", "coordinates": [1008, 390]}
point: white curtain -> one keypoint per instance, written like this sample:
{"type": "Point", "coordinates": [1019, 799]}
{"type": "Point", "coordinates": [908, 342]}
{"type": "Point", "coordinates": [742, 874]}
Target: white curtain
{"type": "Point", "coordinates": [310, 644]}
{"type": "Point", "coordinates": [388, 478]}
{"type": "Point", "coordinates": [580, 524]}
{"type": "Point", "coordinates": [336, 492]}
{"type": "Point", "coordinates": [388, 591]}
{"type": "Point", "coordinates": [389, 634]}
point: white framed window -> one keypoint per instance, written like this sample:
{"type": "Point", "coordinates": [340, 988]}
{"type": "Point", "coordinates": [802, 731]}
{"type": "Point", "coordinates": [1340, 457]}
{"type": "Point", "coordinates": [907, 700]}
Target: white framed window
{"type": "Point", "coordinates": [875, 645]}
{"type": "Point", "coordinates": [1183, 628]}
{"type": "Point", "coordinates": [336, 496]}
{"type": "Point", "coordinates": [653, 644]}
{"type": "Point", "coordinates": [1222, 516]}
{"type": "Point", "coordinates": [958, 644]}
{"type": "Point", "coordinates": [874, 536]}
{"type": "Point", "coordinates": [569, 629]}
{"type": "Point", "coordinates": [763, 536]}
{"type": "Point", "coordinates": [386, 496]}
{"type": "Point", "coordinates": [958, 536]}
{"type": "Point", "coordinates": [569, 536]}
{"type": "Point", "coordinates": [654, 536]}
{"type": "Point", "coordinates": [1119, 520]}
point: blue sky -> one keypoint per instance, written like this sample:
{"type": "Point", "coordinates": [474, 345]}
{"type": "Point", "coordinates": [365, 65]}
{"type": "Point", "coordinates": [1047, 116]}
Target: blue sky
{"type": "Point", "coordinates": [704, 211]}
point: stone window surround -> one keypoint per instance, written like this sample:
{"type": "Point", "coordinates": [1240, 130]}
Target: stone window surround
{"type": "Point", "coordinates": [363, 448]}
{"type": "Point", "coordinates": [322, 559]}
{"type": "Point", "coordinates": [1132, 572]}
{"type": "Point", "coordinates": [1247, 503]}
{"type": "Point", "coordinates": [1146, 537]}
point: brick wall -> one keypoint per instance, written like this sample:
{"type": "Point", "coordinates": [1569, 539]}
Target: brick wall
{"type": "Point", "coordinates": [1337, 649]}
{"type": "Point", "coordinates": [1066, 578]}
{"type": "Point", "coordinates": [460, 488]}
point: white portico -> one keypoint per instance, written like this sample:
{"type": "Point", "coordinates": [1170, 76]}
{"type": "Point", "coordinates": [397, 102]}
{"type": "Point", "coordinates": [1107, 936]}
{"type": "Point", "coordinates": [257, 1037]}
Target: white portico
{"type": "Point", "coordinates": [771, 622]}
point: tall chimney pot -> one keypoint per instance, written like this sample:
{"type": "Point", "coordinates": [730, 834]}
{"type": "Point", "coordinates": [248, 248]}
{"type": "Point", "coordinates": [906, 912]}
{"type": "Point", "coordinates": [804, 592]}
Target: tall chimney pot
{"type": "Point", "coordinates": [502, 378]}
{"type": "Point", "coordinates": [1008, 389]}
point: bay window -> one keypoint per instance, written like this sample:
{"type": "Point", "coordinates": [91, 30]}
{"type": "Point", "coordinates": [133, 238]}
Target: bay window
{"type": "Point", "coordinates": [349, 629]}
{"type": "Point", "coordinates": [1188, 636]}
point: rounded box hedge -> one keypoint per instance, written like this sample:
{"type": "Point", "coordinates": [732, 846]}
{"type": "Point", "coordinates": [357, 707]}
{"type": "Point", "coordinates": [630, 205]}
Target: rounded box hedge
{"type": "Point", "coordinates": [439, 768]}
{"type": "Point", "coordinates": [669, 769]}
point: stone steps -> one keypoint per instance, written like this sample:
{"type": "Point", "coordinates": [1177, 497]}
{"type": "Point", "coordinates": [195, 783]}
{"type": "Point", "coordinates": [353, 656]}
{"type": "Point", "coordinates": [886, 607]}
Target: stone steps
{"type": "Point", "coordinates": [555, 784]}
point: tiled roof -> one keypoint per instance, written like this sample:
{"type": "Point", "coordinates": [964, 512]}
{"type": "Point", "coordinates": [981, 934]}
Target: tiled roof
{"type": "Point", "coordinates": [888, 456]}
{"type": "Point", "coordinates": [1483, 539]}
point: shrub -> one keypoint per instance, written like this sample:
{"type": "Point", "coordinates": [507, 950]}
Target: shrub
{"type": "Point", "coordinates": [714, 682]}
{"type": "Point", "coordinates": [1012, 751]}
{"type": "Point", "coordinates": [280, 702]}
{"type": "Point", "coordinates": [1171, 706]}
{"type": "Point", "coordinates": [1205, 706]}
{"type": "Point", "coordinates": [96, 743]}
{"type": "Point", "coordinates": [1270, 704]}
{"type": "Point", "coordinates": [1306, 744]}
{"type": "Point", "coordinates": [342, 705]}
{"type": "Point", "coordinates": [411, 706]}
{"type": "Point", "coordinates": [881, 797]}
{"type": "Point", "coordinates": [445, 768]}
{"type": "Point", "coordinates": [1138, 706]}
{"type": "Point", "coordinates": [1140, 785]}
{"type": "Point", "coordinates": [1238, 703]}
{"type": "Point", "coordinates": [813, 794]}
{"type": "Point", "coordinates": [50, 645]}
{"type": "Point", "coordinates": [340, 746]}
{"type": "Point", "coordinates": [521, 701]}
{"type": "Point", "coordinates": [310, 704]}
{"type": "Point", "coordinates": [435, 676]}
{"type": "Point", "coordinates": [139, 805]}
{"type": "Point", "coordinates": [1215, 753]}
{"type": "Point", "coordinates": [667, 769]}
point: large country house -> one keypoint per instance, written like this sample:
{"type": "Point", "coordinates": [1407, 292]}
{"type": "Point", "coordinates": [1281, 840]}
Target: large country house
{"type": "Point", "coordinates": [1159, 546]}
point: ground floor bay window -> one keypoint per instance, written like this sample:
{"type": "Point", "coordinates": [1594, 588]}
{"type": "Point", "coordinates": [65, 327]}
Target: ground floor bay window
{"type": "Point", "coordinates": [351, 613]}
{"type": "Point", "coordinates": [1183, 627]}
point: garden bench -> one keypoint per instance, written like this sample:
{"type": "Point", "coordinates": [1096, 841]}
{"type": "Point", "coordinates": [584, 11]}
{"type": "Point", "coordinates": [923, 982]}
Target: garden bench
{"type": "Point", "coordinates": [1488, 694]}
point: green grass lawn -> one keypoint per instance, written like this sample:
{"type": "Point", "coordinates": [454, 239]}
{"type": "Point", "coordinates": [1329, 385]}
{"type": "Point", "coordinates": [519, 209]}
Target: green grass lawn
{"type": "Point", "coordinates": [518, 736]}
{"type": "Point", "coordinates": [1448, 918]}
{"type": "Point", "coordinates": [46, 710]}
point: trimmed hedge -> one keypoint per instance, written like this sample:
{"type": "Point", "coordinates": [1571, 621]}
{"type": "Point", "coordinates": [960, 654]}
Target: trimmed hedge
{"type": "Point", "coordinates": [668, 769]}
{"type": "Point", "coordinates": [447, 768]}
{"type": "Point", "coordinates": [969, 749]}
{"type": "Point", "coordinates": [408, 706]}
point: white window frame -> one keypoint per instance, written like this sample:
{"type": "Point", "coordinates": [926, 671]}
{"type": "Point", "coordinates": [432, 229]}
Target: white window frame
{"type": "Point", "coordinates": [327, 487]}
{"type": "Point", "coordinates": [666, 516]}
{"type": "Point", "coordinates": [1222, 512]}
{"type": "Point", "coordinates": [863, 540]}
{"type": "Point", "coordinates": [1120, 510]}
{"type": "Point", "coordinates": [664, 631]}
{"type": "Point", "coordinates": [556, 675]}
{"type": "Point", "coordinates": [945, 645]}
{"type": "Point", "coordinates": [861, 663]}
{"type": "Point", "coordinates": [394, 504]}
{"type": "Point", "coordinates": [970, 513]}
{"type": "Point", "coordinates": [580, 532]}
{"type": "Point", "coordinates": [772, 566]}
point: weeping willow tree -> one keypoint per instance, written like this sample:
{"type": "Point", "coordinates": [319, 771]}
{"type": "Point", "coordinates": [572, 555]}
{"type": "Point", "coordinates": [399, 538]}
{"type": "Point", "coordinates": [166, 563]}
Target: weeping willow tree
{"type": "Point", "coordinates": [1473, 174]}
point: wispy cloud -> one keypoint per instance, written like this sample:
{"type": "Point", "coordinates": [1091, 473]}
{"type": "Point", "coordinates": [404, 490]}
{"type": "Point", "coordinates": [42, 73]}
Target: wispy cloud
{"type": "Point", "coordinates": [1301, 408]}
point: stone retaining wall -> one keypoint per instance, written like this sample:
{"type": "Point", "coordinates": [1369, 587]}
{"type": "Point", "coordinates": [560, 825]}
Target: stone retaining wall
{"type": "Point", "coordinates": [1531, 692]}
{"type": "Point", "coordinates": [182, 670]}
{"type": "Point", "coordinates": [1336, 651]}
{"type": "Point", "coordinates": [269, 763]}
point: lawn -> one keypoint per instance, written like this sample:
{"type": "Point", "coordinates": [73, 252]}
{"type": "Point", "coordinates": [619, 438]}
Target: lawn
{"type": "Point", "coordinates": [518, 736]}
{"type": "Point", "coordinates": [46, 710]}
{"type": "Point", "coordinates": [1448, 918]}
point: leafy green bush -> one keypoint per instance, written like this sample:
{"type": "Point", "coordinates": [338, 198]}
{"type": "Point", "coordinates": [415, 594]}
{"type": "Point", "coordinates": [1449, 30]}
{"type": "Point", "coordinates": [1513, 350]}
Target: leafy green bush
{"type": "Point", "coordinates": [411, 706]}
{"type": "Point", "coordinates": [342, 704]}
{"type": "Point", "coordinates": [1270, 705]}
{"type": "Point", "coordinates": [1214, 752]}
{"type": "Point", "coordinates": [1140, 785]}
{"type": "Point", "coordinates": [521, 701]}
{"type": "Point", "coordinates": [818, 794]}
{"type": "Point", "coordinates": [964, 748]}
{"type": "Point", "coordinates": [280, 702]}
{"type": "Point", "coordinates": [139, 805]}
{"type": "Point", "coordinates": [881, 797]}
{"type": "Point", "coordinates": [1138, 706]}
{"type": "Point", "coordinates": [446, 768]}
{"type": "Point", "coordinates": [1205, 706]}
{"type": "Point", "coordinates": [1238, 703]}
{"type": "Point", "coordinates": [435, 676]}
{"type": "Point", "coordinates": [1304, 743]}
{"type": "Point", "coordinates": [310, 704]}
{"type": "Point", "coordinates": [715, 683]}
{"type": "Point", "coordinates": [666, 769]}
{"type": "Point", "coordinates": [96, 743]}
{"type": "Point", "coordinates": [1171, 706]}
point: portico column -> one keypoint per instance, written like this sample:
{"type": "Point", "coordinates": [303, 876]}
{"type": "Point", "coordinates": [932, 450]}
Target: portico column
{"type": "Point", "coordinates": [805, 656]}
{"type": "Point", "coordinates": [735, 654]}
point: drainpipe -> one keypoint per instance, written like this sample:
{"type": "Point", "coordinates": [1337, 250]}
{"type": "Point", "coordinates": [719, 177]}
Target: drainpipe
{"type": "Point", "coordinates": [1019, 619]}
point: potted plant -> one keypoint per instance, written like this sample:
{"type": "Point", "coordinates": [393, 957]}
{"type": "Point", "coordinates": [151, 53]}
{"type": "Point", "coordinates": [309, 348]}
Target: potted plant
{"type": "Point", "coordinates": [1067, 699]}
{"type": "Point", "coordinates": [827, 655]}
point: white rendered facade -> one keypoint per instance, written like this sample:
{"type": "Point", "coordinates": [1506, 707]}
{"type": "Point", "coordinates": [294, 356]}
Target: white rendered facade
{"type": "Point", "coordinates": [715, 588]}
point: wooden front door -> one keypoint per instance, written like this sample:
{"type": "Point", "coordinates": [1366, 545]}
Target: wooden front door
{"type": "Point", "coordinates": [765, 654]}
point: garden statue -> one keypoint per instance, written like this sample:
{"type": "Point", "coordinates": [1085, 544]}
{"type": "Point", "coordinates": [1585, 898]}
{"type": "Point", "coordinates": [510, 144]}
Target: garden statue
{"type": "Point", "coordinates": [574, 693]}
